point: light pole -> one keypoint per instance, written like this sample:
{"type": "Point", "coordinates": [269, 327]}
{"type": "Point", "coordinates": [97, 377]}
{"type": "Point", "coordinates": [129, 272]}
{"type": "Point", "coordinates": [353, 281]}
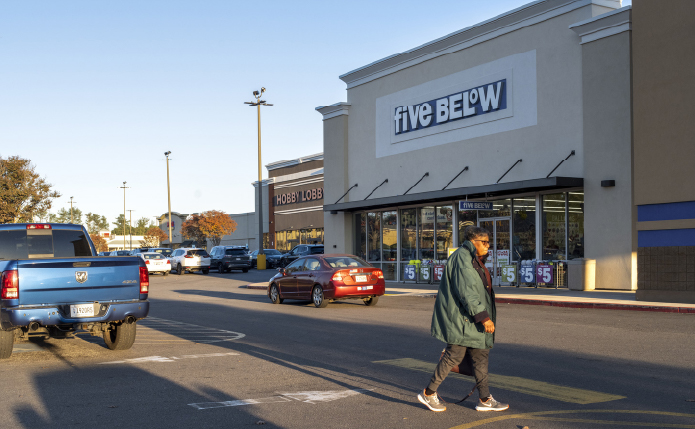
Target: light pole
{"type": "Point", "coordinates": [171, 238]}
{"type": "Point", "coordinates": [71, 210]}
{"type": "Point", "coordinates": [130, 229]}
{"type": "Point", "coordinates": [257, 95]}
{"type": "Point", "coordinates": [124, 188]}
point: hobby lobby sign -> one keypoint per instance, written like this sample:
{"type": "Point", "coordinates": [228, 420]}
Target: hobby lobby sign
{"type": "Point", "coordinates": [298, 197]}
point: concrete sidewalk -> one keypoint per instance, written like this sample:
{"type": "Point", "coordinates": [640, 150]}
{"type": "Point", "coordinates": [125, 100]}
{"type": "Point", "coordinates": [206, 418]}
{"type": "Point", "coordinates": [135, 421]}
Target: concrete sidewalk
{"type": "Point", "coordinates": [562, 297]}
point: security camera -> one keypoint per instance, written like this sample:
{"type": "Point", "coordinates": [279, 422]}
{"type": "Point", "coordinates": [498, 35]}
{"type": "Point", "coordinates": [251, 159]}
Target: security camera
{"type": "Point", "coordinates": [255, 93]}
{"type": "Point", "coordinates": [262, 90]}
{"type": "Point", "coordinates": [167, 153]}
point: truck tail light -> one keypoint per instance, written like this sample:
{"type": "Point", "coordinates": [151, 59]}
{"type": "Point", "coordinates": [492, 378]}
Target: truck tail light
{"type": "Point", "coordinates": [38, 226]}
{"type": "Point", "coordinates": [10, 284]}
{"type": "Point", "coordinates": [144, 280]}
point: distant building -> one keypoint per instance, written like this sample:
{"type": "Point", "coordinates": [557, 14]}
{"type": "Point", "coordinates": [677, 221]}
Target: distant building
{"type": "Point", "coordinates": [177, 220]}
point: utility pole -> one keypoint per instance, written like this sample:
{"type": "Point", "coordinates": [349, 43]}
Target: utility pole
{"type": "Point", "coordinates": [124, 188]}
{"type": "Point", "coordinates": [257, 95]}
{"type": "Point", "coordinates": [130, 229]}
{"type": "Point", "coordinates": [71, 210]}
{"type": "Point", "coordinates": [171, 237]}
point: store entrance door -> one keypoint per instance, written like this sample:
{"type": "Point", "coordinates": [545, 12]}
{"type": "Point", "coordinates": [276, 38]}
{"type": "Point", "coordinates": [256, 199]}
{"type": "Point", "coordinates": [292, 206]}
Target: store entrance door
{"type": "Point", "coordinates": [500, 249]}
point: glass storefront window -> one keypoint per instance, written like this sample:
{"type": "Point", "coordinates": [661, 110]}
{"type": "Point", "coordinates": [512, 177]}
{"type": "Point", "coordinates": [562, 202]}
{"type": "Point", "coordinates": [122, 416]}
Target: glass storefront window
{"type": "Point", "coordinates": [426, 233]}
{"type": "Point", "coordinates": [389, 270]}
{"type": "Point", "coordinates": [524, 227]}
{"type": "Point", "coordinates": [445, 232]}
{"type": "Point", "coordinates": [374, 236]}
{"type": "Point", "coordinates": [292, 239]}
{"type": "Point", "coordinates": [280, 241]}
{"type": "Point", "coordinates": [361, 239]}
{"type": "Point", "coordinates": [389, 230]}
{"type": "Point", "coordinates": [553, 226]}
{"type": "Point", "coordinates": [575, 236]}
{"type": "Point", "coordinates": [500, 208]}
{"type": "Point", "coordinates": [466, 218]}
{"type": "Point", "coordinates": [408, 234]}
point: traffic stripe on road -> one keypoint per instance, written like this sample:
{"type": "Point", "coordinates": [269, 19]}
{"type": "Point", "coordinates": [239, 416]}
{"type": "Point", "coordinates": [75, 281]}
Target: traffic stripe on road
{"type": "Point", "coordinates": [517, 384]}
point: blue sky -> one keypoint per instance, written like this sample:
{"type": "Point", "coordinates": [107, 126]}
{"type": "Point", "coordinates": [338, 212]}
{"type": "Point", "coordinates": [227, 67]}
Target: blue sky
{"type": "Point", "coordinates": [94, 92]}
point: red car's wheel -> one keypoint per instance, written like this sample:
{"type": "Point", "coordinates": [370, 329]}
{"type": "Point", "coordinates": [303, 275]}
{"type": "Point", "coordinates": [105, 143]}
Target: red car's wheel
{"type": "Point", "coordinates": [275, 295]}
{"type": "Point", "coordinates": [370, 302]}
{"type": "Point", "coordinates": [318, 298]}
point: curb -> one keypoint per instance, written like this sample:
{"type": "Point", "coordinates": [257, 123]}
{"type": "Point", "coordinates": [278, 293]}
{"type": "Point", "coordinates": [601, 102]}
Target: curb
{"type": "Point", "coordinates": [596, 305]}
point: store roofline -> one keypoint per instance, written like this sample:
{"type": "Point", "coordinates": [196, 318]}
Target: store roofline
{"type": "Point", "coordinates": [491, 191]}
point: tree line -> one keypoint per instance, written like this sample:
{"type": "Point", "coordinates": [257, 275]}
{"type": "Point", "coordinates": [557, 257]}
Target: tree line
{"type": "Point", "coordinates": [25, 196]}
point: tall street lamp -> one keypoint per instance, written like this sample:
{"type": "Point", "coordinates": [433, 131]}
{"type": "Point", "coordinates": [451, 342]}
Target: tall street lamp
{"type": "Point", "coordinates": [171, 238]}
{"type": "Point", "coordinates": [124, 188]}
{"type": "Point", "coordinates": [130, 229]}
{"type": "Point", "coordinates": [257, 95]}
{"type": "Point", "coordinates": [71, 210]}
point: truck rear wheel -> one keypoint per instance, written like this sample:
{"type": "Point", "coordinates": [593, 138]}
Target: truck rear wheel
{"type": "Point", "coordinates": [120, 337]}
{"type": "Point", "coordinates": [6, 343]}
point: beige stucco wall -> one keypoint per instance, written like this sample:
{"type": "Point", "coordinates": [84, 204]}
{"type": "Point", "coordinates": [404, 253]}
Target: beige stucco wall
{"type": "Point", "coordinates": [557, 133]}
{"type": "Point", "coordinates": [608, 212]}
{"type": "Point", "coordinates": [663, 76]}
{"type": "Point", "coordinates": [337, 227]}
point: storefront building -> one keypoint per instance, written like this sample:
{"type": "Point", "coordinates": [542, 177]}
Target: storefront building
{"type": "Point", "coordinates": [664, 150]}
{"type": "Point", "coordinates": [293, 203]}
{"type": "Point", "coordinates": [520, 124]}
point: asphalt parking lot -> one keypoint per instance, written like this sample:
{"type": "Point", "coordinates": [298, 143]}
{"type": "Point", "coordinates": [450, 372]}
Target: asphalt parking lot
{"type": "Point", "coordinates": [213, 353]}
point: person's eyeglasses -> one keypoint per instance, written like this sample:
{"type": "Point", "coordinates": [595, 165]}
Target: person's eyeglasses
{"type": "Point", "coordinates": [485, 242]}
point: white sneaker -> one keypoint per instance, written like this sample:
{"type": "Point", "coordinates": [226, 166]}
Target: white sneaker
{"type": "Point", "coordinates": [491, 405]}
{"type": "Point", "coordinates": [431, 402]}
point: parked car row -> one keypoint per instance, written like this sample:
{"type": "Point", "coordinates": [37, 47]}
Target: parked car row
{"type": "Point", "coordinates": [221, 258]}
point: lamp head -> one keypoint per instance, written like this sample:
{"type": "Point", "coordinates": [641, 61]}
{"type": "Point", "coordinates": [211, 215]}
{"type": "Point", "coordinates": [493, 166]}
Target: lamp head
{"type": "Point", "coordinates": [167, 153]}
{"type": "Point", "coordinates": [262, 90]}
{"type": "Point", "coordinates": [255, 93]}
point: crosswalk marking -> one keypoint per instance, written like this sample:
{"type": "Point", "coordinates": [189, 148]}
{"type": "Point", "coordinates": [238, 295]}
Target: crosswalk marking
{"type": "Point", "coordinates": [154, 330]}
{"type": "Point", "coordinates": [517, 384]}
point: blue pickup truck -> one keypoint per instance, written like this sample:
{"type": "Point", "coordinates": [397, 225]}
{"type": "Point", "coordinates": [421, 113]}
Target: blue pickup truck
{"type": "Point", "coordinates": [54, 285]}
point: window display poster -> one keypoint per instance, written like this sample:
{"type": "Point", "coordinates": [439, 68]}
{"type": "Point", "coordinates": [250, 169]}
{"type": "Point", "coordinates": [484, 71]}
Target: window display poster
{"type": "Point", "coordinates": [438, 272]}
{"type": "Point", "coordinates": [509, 273]}
{"type": "Point", "coordinates": [544, 273]}
{"type": "Point", "coordinates": [425, 273]}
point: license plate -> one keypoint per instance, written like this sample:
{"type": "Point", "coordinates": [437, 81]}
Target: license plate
{"type": "Point", "coordinates": [365, 288]}
{"type": "Point", "coordinates": [238, 259]}
{"type": "Point", "coordinates": [82, 310]}
{"type": "Point", "coordinates": [361, 278]}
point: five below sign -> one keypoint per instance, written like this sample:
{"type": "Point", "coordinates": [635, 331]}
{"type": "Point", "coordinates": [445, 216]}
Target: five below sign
{"type": "Point", "coordinates": [474, 205]}
{"type": "Point", "coordinates": [461, 105]}
{"type": "Point", "coordinates": [298, 197]}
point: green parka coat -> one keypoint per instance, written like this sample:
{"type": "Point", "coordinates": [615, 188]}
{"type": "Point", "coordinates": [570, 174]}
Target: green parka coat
{"type": "Point", "coordinates": [461, 296]}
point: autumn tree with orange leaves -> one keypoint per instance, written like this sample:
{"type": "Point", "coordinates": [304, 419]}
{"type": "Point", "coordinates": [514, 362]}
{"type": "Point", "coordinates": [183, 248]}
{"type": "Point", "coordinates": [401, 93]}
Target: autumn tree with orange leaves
{"type": "Point", "coordinates": [210, 225]}
{"type": "Point", "coordinates": [153, 237]}
{"type": "Point", "coordinates": [99, 242]}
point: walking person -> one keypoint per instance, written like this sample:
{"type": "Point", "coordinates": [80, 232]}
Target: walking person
{"type": "Point", "coordinates": [464, 318]}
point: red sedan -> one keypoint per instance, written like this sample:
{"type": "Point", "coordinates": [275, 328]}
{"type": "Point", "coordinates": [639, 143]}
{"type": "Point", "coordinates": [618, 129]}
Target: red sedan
{"type": "Point", "coordinates": [326, 278]}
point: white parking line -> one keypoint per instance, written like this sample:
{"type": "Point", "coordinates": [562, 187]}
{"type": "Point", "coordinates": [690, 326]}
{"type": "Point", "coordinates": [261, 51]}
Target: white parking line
{"type": "Point", "coordinates": [310, 397]}
{"type": "Point", "coordinates": [168, 359]}
{"type": "Point", "coordinates": [156, 328]}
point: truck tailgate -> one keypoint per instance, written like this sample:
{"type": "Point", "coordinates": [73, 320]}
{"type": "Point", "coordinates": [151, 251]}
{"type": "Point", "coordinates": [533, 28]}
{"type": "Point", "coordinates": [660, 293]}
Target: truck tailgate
{"type": "Point", "coordinates": [63, 280]}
